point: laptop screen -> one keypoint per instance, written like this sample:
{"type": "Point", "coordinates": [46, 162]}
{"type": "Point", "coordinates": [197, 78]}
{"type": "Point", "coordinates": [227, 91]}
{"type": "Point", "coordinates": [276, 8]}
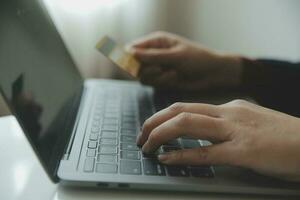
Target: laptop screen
{"type": "Point", "coordinates": [38, 77]}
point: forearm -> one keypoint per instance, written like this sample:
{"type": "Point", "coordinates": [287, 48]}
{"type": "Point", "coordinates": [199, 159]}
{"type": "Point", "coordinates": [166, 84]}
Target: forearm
{"type": "Point", "coordinates": [273, 84]}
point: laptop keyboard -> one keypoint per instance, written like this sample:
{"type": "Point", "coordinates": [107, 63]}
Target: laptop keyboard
{"type": "Point", "coordinates": [111, 146]}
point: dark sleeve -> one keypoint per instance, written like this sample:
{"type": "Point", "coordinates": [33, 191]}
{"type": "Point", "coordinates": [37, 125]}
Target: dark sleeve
{"type": "Point", "coordinates": [273, 84]}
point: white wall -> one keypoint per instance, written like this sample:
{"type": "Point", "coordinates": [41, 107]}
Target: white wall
{"type": "Point", "coordinates": [268, 28]}
{"type": "Point", "coordinates": [256, 28]}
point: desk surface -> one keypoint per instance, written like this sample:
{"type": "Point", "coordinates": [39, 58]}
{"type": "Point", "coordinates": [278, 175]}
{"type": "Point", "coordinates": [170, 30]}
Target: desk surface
{"type": "Point", "coordinates": [22, 176]}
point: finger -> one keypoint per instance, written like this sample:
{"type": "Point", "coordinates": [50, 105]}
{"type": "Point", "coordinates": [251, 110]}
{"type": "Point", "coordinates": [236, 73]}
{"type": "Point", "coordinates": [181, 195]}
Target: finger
{"type": "Point", "coordinates": [186, 124]}
{"type": "Point", "coordinates": [157, 56]}
{"type": "Point", "coordinates": [154, 40]}
{"type": "Point", "coordinates": [146, 42]}
{"type": "Point", "coordinates": [173, 110]}
{"type": "Point", "coordinates": [217, 154]}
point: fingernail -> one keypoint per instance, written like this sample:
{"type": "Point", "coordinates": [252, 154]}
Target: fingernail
{"type": "Point", "coordinates": [145, 148]}
{"type": "Point", "coordinates": [138, 140]}
{"type": "Point", "coordinates": [163, 157]}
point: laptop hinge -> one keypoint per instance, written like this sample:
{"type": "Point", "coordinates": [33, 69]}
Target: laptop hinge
{"type": "Point", "coordinates": [72, 138]}
{"type": "Point", "coordinates": [69, 148]}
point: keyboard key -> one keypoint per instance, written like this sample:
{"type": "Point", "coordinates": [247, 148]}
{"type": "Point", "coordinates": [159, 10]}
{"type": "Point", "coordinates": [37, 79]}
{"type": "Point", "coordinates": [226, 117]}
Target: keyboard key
{"type": "Point", "coordinates": [166, 149]}
{"type": "Point", "coordinates": [130, 155]}
{"type": "Point", "coordinates": [128, 132]}
{"type": "Point", "coordinates": [107, 158]}
{"type": "Point", "coordinates": [112, 104]}
{"type": "Point", "coordinates": [129, 108]}
{"type": "Point", "coordinates": [106, 168]}
{"type": "Point", "coordinates": [110, 128]}
{"type": "Point", "coordinates": [112, 108]}
{"type": "Point", "coordinates": [114, 100]}
{"type": "Point", "coordinates": [130, 167]}
{"type": "Point", "coordinates": [129, 146]}
{"type": "Point", "coordinates": [153, 168]}
{"type": "Point", "coordinates": [174, 143]}
{"type": "Point", "coordinates": [99, 106]}
{"type": "Point", "coordinates": [201, 171]}
{"type": "Point", "coordinates": [109, 141]}
{"type": "Point", "coordinates": [111, 121]}
{"type": "Point", "coordinates": [130, 139]}
{"type": "Point", "coordinates": [128, 120]}
{"type": "Point", "coordinates": [177, 171]}
{"type": "Point", "coordinates": [95, 129]}
{"type": "Point", "coordinates": [129, 115]}
{"type": "Point", "coordinates": [92, 144]}
{"type": "Point", "coordinates": [94, 136]}
{"type": "Point", "coordinates": [97, 117]}
{"type": "Point", "coordinates": [91, 152]}
{"type": "Point", "coordinates": [149, 155]}
{"type": "Point", "coordinates": [190, 143]}
{"type": "Point", "coordinates": [96, 123]}
{"type": "Point", "coordinates": [105, 149]}
{"type": "Point", "coordinates": [89, 164]}
{"type": "Point", "coordinates": [109, 134]}
{"type": "Point", "coordinates": [129, 126]}
{"type": "Point", "coordinates": [112, 115]}
{"type": "Point", "coordinates": [98, 111]}
{"type": "Point", "coordinates": [205, 143]}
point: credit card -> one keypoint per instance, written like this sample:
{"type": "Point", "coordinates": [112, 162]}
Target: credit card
{"type": "Point", "coordinates": [117, 54]}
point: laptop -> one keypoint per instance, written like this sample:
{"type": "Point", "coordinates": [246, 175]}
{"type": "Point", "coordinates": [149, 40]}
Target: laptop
{"type": "Point", "coordinates": [84, 131]}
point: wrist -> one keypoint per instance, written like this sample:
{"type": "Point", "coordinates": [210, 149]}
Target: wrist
{"type": "Point", "coordinates": [233, 66]}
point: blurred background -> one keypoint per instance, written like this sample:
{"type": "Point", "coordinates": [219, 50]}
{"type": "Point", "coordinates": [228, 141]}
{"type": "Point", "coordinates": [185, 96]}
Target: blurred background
{"type": "Point", "coordinates": [268, 29]}
{"type": "Point", "coordinates": [255, 28]}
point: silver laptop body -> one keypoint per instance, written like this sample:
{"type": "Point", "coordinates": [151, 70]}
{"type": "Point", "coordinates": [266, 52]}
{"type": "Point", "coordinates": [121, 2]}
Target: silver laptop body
{"type": "Point", "coordinates": [83, 132]}
{"type": "Point", "coordinates": [108, 167]}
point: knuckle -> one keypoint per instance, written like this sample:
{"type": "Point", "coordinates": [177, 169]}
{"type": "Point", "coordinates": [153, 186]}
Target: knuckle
{"type": "Point", "coordinates": [177, 107]}
{"type": "Point", "coordinates": [184, 118]}
{"type": "Point", "coordinates": [239, 107]}
{"type": "Point", "coordinates": [217, 124]}
{"type": "Point", "coordinates": [239, 102]}
{"type": "Point", "coordinates": [241, 111]}
{"type": "Point", "coordinates": [147, 125]}
{"type": "Point", "coordinates": [154, 136]}
{"type": "Point", "coordinates": [159, 34]}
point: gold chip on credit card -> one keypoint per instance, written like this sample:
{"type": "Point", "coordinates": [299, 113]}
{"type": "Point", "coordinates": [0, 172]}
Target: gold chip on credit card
{"type": "Point", "coordinates": [109, 48]}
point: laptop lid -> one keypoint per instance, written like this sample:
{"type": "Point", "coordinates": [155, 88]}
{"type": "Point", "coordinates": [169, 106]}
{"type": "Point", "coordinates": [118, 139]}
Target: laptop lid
{"type": "Point", "coordinates": [38, 78]}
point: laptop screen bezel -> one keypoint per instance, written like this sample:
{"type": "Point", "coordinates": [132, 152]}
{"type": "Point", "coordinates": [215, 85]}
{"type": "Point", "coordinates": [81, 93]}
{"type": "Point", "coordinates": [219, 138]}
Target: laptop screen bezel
{"type": "Point", "coordinates": [70, 114]}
